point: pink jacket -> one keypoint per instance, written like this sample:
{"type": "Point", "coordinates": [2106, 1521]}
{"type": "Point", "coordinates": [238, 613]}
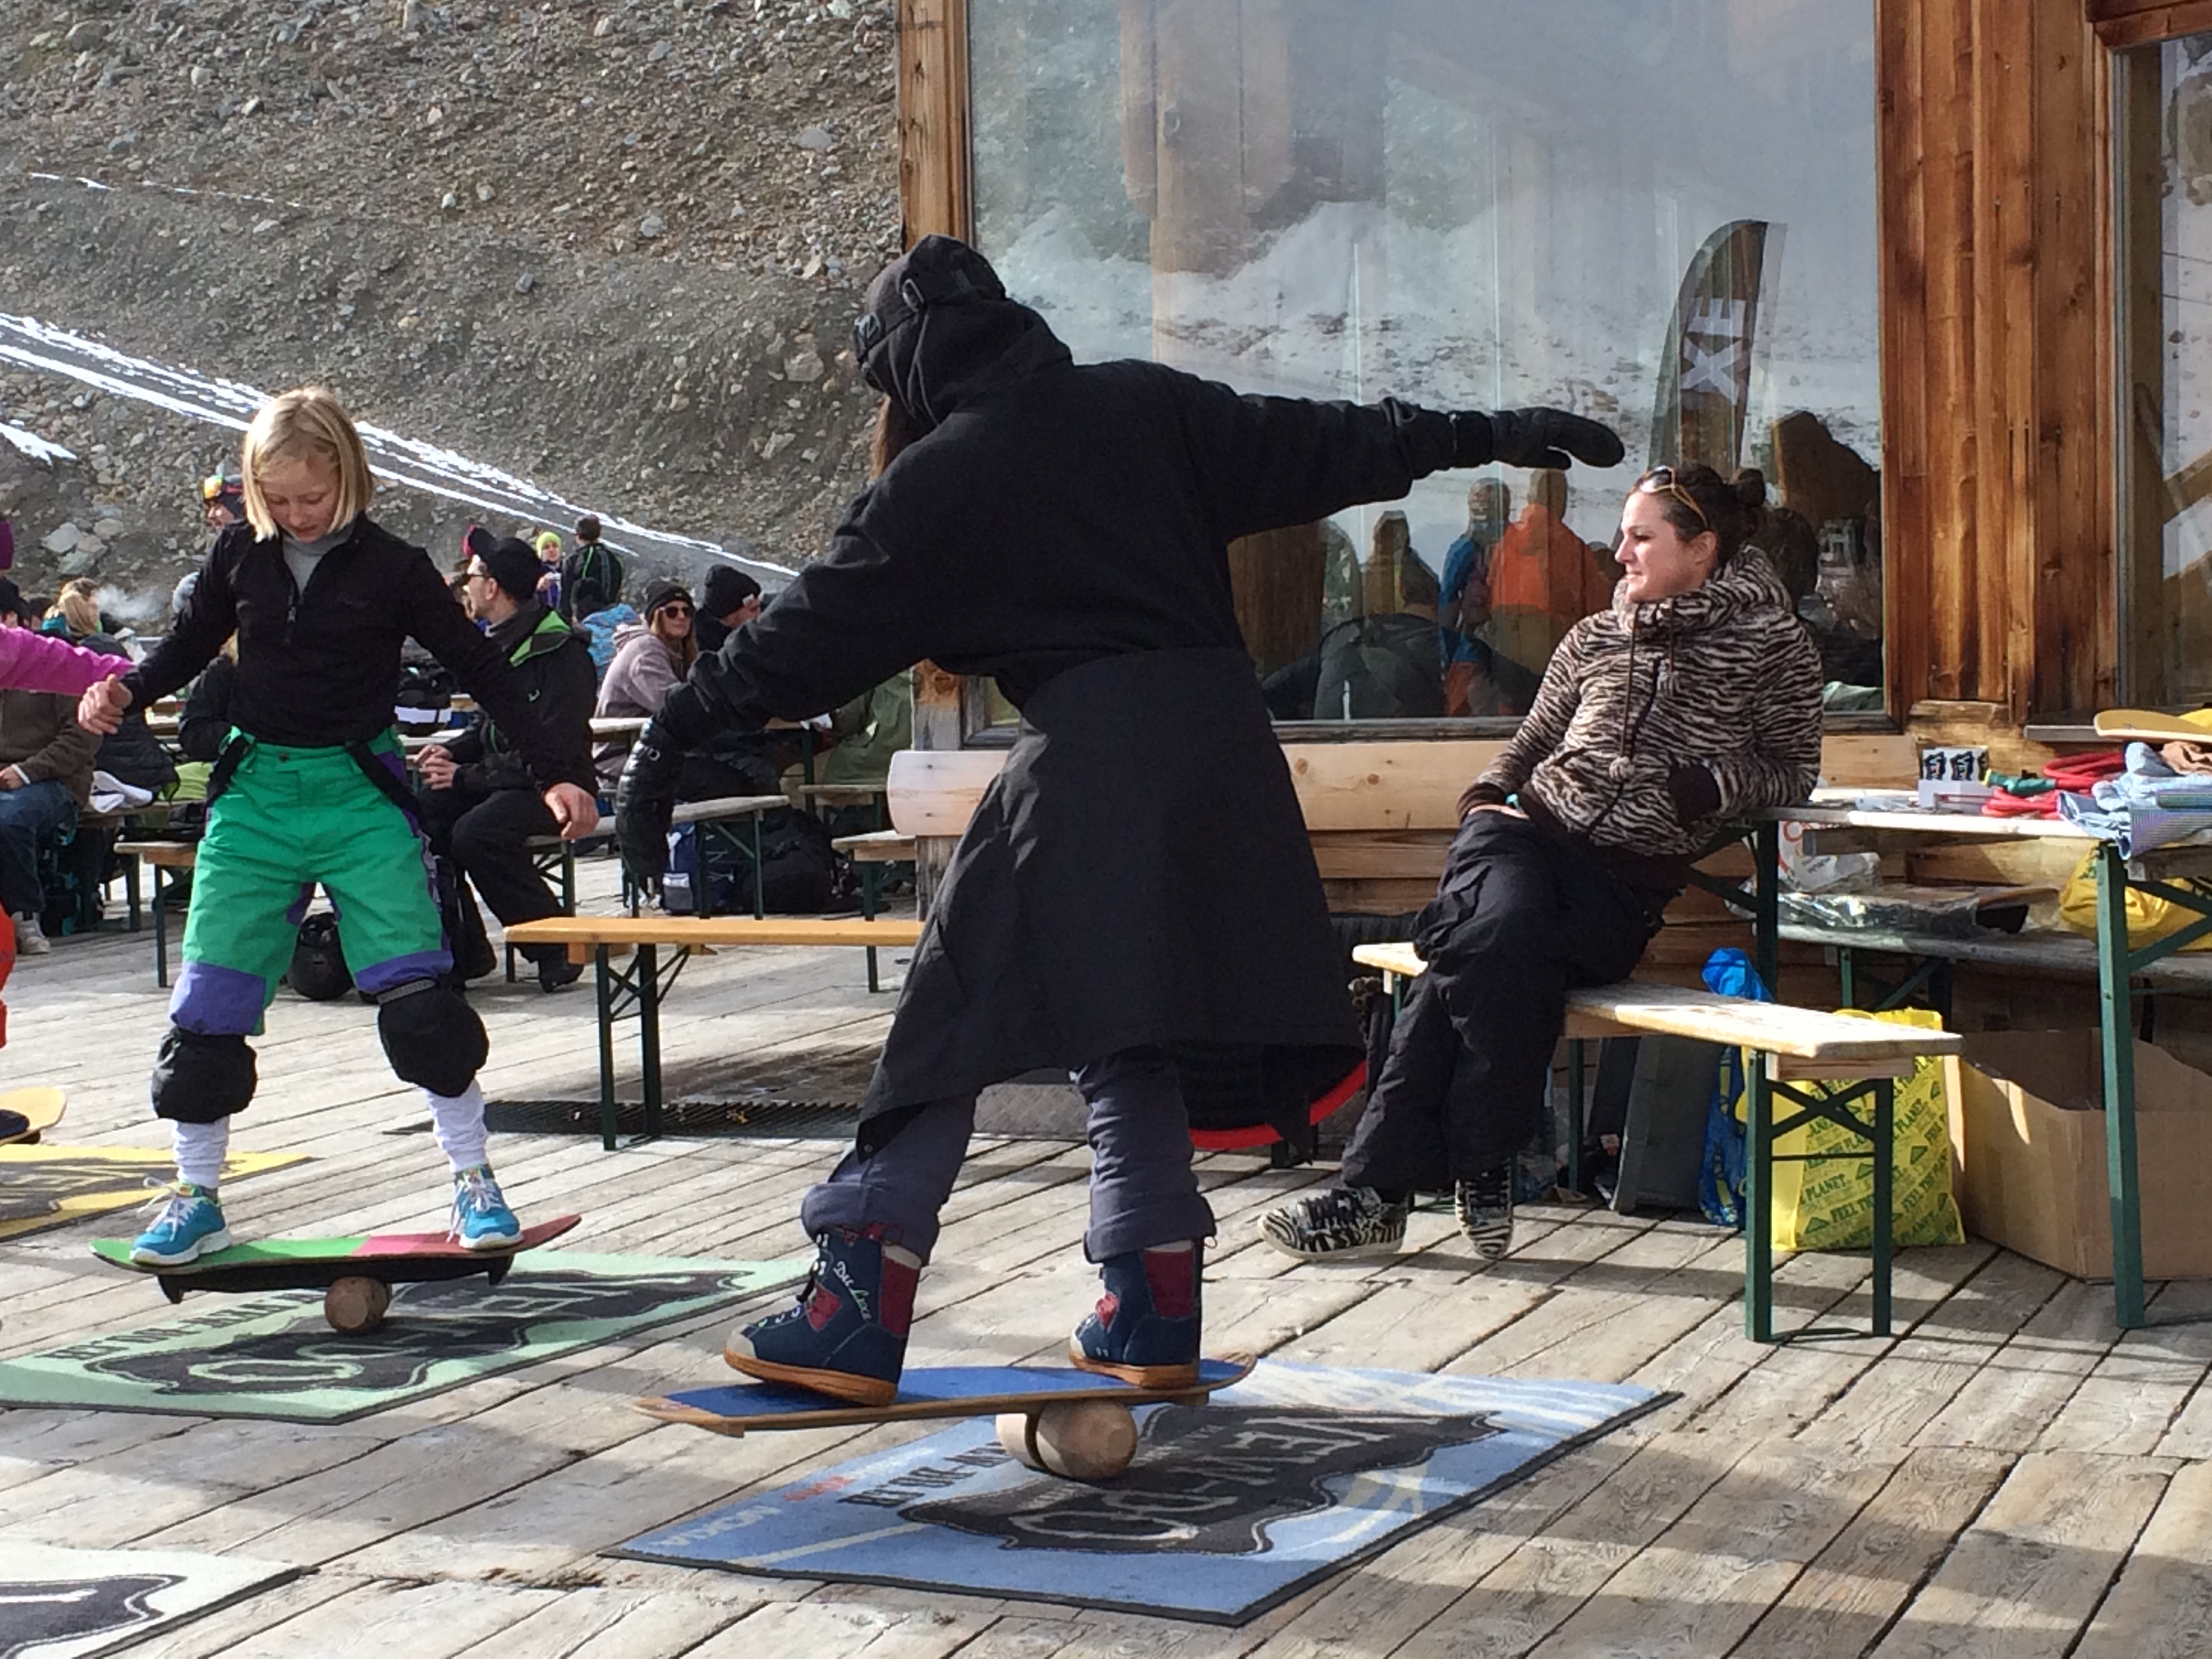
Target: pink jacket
{"type": "Point", "coordinates": [31, 662]}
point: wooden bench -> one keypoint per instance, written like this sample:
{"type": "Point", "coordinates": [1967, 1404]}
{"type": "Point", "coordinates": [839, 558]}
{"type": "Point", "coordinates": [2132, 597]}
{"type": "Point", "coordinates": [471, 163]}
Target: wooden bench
{"type": "Point", "coordinates": [816, 797]}
{"type": "Point", "coordinates": [716, 818]}
{"type": "Point", "coordinates": [1785, 1048]}
{"type": "Point", "coordinates": [156, 855]}
{"type": "Point", "coordinates": [599, 939]}
{"type": "Point", "coordinates": [876, 853]}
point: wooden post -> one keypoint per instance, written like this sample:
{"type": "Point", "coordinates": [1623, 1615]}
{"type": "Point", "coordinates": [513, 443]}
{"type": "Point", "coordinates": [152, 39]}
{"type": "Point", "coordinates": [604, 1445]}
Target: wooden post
{"type": "Point", "coordinates": [1998, 353]}
{"type": "Point", "coordinates": [936, 195]}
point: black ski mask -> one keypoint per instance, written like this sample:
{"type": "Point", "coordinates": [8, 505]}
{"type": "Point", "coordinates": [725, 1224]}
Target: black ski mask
{"type": "Point", "coordinates": [939, 326]}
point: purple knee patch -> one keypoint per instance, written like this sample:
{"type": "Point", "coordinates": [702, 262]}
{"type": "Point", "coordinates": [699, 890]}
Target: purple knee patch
{"type": "Point", "coordinates": [211, 1000]}
{"type": "Point", "coordinates": [419, 965]}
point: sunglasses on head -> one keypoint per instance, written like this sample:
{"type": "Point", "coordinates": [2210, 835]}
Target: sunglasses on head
{"type": "Point", "coordinates": [1661, 481]}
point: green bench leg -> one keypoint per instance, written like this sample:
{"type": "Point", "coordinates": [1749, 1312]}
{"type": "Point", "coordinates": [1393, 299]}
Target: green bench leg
{"type": "Point", "coordinates": [872, 885]}
{"type": "Point", "coordinates": [604, 976]}
{"type": "Point", "coordinates": [1574, 1114]}
{"type": "Point", "coordinates": [648, 1032]}
{"type": "Point", "coordinates": [1758, 1202]}
{"type": "Point", "coordinates": [161, 934]}
{"type": "Point", "coordinates": [1885, 1158]}
{"type": "Point", "coordinates": [2121, 1170]}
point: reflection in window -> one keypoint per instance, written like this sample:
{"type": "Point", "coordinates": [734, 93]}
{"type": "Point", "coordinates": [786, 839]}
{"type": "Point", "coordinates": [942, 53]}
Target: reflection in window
{"type": "Point", "coordinates": [1661, 215]}
{"type": "Point", "coordinates": [2165, 198]}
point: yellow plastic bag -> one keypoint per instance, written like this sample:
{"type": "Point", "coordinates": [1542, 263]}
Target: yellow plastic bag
{"type": "Point", "coordinates": [1829, 1206]}
{"type": "Point", "coordinates": [2150, 918]}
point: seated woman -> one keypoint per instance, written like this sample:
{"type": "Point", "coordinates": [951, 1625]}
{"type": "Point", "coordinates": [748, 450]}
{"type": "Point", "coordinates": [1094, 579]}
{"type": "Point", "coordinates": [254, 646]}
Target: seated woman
{"type": "Point", "coordinates": [1694, 698]}
{"type": "Point", "coordinates": [651, 657]}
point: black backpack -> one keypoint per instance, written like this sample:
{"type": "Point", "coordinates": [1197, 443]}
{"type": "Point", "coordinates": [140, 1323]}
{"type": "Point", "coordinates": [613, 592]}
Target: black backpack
{"type": "Point", "coordinates": [319, 971]}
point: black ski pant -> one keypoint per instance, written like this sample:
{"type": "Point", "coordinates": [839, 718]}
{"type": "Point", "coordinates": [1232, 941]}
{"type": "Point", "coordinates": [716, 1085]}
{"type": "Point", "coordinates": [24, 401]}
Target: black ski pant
{"type": "Point", "coordinates": [482, 837]}
{"type": "Point", "coordinates": [1523, 916]}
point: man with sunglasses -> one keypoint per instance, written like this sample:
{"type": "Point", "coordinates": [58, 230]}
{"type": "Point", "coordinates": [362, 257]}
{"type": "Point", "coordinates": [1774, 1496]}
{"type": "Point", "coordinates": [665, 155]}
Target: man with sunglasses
{"type": "Point", "coordinates": [1135, 900]}
{"type": "Point", "coordinates": [479, 807]}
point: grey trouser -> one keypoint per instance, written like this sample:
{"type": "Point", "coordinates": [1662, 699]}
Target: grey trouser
{"type": "Point", "coordinates": [1143, 1191]}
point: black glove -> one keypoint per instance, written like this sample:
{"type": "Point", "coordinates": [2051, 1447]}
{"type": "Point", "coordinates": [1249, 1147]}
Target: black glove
{"type": "Point", "coordinates": [1695, 791]}
{"type": "Point", "coordinates": [645, 803]}
{"type": "Point", "coordinates": [1543, 438]}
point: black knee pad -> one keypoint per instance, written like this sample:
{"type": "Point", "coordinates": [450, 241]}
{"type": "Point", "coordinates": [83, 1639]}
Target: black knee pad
{"type": "Point", "coordinates": [201, 1079]}
{"type": "Point", "coordinates": [431, 1035]}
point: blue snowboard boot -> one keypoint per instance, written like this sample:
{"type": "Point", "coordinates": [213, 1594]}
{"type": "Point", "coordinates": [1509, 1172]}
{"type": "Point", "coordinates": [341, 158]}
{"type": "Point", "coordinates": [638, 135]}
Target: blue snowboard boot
{"type": "Point", "coordinates": [1144, 1329]}
{"type": "Point", "coordinates": [847, 1337]}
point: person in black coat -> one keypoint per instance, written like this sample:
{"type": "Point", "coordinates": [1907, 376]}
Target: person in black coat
{"type": "Point", "coordinates": [1135, 900]}
{"type": "Point", "coordinates": [480, 806]}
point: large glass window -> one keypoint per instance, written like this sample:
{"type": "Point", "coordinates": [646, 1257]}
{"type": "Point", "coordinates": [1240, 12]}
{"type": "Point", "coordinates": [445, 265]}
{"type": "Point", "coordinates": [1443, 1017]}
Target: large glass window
{"type": "Point", "coordinates": [2164, 191]}
{"type": "Point", "coordinates": [1658, 212]}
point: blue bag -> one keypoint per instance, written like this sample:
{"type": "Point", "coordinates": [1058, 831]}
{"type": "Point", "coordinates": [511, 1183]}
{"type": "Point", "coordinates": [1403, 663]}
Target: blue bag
{"type": "Point", "coordinates": [1720, 1174]}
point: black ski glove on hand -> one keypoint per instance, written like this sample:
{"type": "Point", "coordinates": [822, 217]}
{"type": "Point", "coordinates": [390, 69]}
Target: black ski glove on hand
{"type": "Point", "coordinates": [1548, 438]}
{"type": "Point", "coordinates": [645, 803]}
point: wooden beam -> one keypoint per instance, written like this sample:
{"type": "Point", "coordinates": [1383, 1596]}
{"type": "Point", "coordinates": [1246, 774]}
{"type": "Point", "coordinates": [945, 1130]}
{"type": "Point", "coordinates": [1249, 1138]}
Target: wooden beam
{"type": "Point", "coordinates": [935, 188]}
{"type": "Point", "coordinates": [2121, 23]}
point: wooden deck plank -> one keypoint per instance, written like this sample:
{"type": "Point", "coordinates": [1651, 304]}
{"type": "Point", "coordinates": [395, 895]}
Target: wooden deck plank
{"type": "Point", "coordinates": [421, 1621]}
{"type": "Point", "coordinates": [1521, 1601]}
{"type": "Point", "coordinates": [2161, 1607]}
{"type": "Point", "coordinates": [2027, 1575]}
{"type": "Point", "coordinates": [1704, 1581]}
{"type": "Point", "coordinates": [1846, 1600]}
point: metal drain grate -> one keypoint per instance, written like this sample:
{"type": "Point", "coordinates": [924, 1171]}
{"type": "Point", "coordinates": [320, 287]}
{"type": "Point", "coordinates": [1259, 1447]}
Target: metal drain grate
{"type": "Point", "coordinates": [832, 1120]}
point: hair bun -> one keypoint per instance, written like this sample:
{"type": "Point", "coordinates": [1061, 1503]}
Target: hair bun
{"type": "Point", "coordinates": [1750, 486]}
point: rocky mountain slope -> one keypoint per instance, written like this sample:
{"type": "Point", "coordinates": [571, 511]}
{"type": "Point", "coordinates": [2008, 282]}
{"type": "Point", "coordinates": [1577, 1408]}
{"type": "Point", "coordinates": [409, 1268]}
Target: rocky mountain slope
{"type": "Point", "coordinates": [613, 247]}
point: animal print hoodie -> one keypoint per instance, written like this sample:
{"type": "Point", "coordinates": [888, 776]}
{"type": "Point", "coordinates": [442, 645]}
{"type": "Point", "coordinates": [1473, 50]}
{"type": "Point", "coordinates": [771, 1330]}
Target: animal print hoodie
{"type": "Point", "coordinates": [1643, 703]}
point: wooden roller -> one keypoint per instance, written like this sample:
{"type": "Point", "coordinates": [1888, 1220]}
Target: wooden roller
{"type": "Point", "coordinates": [356, 1305]}
{"type": "Point", "coordinates": [1075, 1439]}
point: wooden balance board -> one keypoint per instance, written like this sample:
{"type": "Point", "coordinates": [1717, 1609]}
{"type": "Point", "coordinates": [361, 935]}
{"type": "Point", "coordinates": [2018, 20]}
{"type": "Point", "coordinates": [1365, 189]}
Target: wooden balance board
{"type": "Point", "coordinates": [1053, 1418]}
{"type": "Point", "coordinates": [356, 1275]}
{"type": "Point", "coordinates": [26, 1114]}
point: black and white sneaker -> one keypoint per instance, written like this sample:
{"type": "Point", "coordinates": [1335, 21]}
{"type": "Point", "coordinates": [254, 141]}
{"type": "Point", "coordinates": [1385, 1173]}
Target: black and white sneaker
{"type": "Point", "coordinates": [1334, 1223]}
{"type": "Point", "coordinates": [1484, 1208]}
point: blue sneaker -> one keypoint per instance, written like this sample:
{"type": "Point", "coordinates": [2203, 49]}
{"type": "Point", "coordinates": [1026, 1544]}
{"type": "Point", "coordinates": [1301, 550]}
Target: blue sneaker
{"type": "Point", "coordinates": [190, 1227]}
{"type": "Point", "coordinates": [481, 1220]}
{"type": "Point", "coordinates": [1145, 1328]}
{"type": "Point", "coordinates": [847, 1337]}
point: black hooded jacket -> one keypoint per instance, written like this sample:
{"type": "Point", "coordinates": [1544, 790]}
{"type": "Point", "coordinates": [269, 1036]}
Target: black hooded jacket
{"type": "Point", "coordinates": [1053, 514]}
{"type": "Point", "coordinates": [320, 668]}
{"type": "Point", "coordinates": [1140, 872]}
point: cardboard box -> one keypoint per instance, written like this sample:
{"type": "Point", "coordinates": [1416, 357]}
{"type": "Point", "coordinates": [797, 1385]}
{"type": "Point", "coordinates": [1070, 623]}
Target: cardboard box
{"type": "Point", "coordinates": [2028, 1157]}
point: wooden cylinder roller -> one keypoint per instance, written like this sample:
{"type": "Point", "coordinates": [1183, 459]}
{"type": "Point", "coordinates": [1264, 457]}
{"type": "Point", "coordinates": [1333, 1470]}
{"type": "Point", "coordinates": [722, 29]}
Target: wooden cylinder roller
{"type": "Point", "coordinates": [1075, 1439]}
{"type": "Point", "coordinates": [356, 1305]}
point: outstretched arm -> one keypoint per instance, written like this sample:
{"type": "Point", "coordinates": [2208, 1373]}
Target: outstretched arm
{"type": "Point", "coordinates": [1277, 461]}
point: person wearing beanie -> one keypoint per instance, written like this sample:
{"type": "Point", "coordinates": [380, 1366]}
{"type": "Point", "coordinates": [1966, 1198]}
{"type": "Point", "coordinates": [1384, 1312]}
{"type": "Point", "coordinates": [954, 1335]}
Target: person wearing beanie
{"type": "Point", "coordinates": [1064, 529]}
{"type": "Point", "coordinates": [732, 599]}
{"type": "Point", "coordinates": [547, 543]}
{"type": "Point", "coordinates": [592, 576]}
{"type": "Point", "coordinates": [652, 655]}
{"type": "Point", "coordinates": [480, 809]}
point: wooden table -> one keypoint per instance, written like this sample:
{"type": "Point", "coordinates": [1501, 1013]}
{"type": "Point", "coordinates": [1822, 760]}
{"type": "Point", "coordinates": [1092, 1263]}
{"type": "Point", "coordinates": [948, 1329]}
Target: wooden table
{"type": "Point", "coordinates": [1839, 821]}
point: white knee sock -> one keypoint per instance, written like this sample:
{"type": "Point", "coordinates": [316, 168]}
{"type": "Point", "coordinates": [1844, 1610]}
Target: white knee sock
{"type": "Point", "coordinates": [200, 1149]}
{"type": "Point", "coordinates": [460, 1121]}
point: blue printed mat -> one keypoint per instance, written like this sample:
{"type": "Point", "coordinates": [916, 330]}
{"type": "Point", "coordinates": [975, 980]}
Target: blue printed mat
{"type": "Point", "coordinates": [1228, 1509]}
